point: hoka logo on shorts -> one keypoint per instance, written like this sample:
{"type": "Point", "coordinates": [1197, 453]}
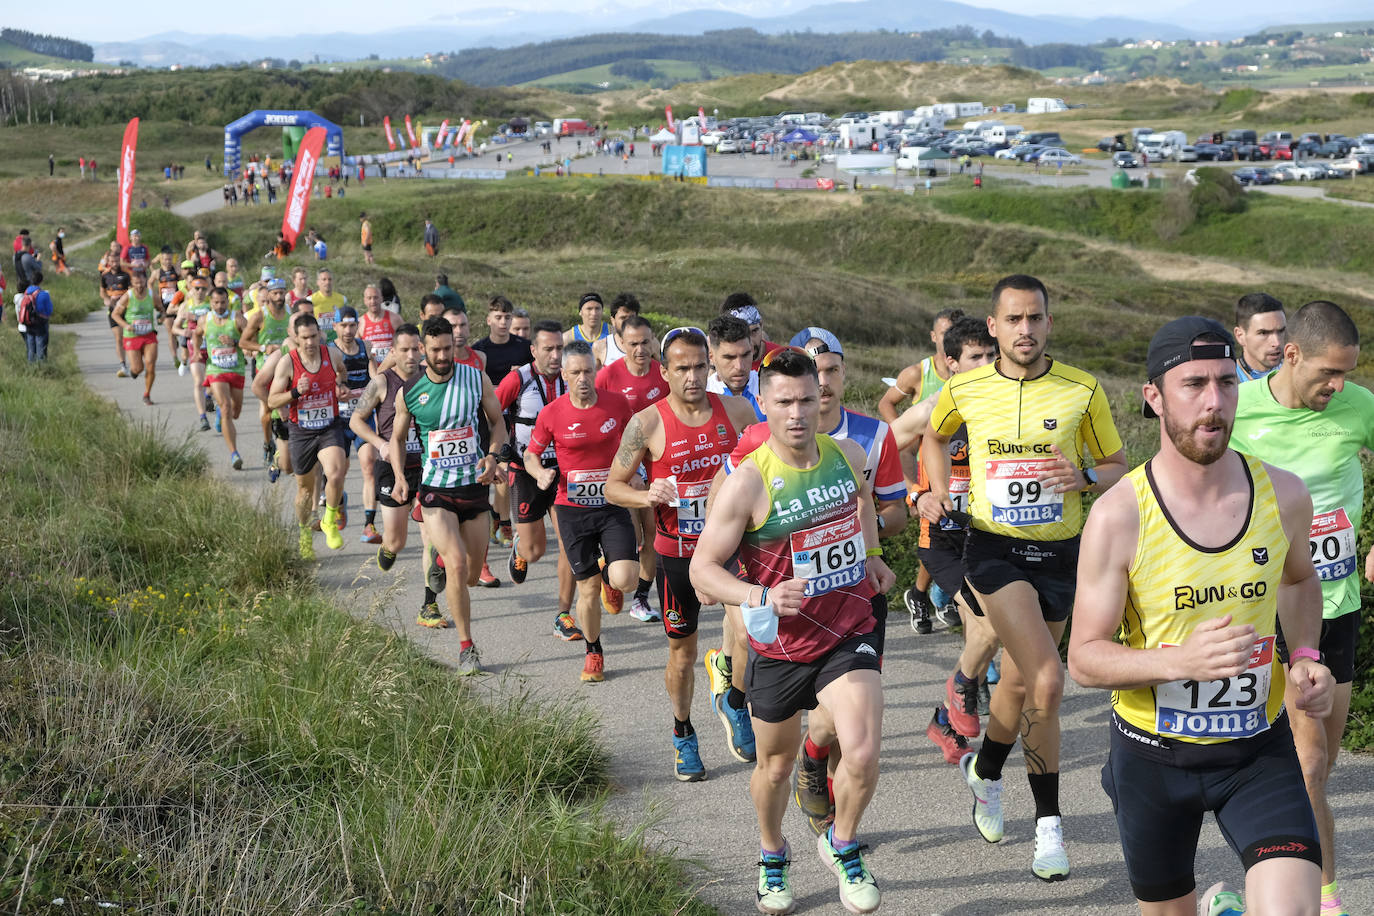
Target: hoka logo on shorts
{"type": "Point", "coordinates": [998, 447]}
{"type": "Point", "coordinates": [1189, 596]}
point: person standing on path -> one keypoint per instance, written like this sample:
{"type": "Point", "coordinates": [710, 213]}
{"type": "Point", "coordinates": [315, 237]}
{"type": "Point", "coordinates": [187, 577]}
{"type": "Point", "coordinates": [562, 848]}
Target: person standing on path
{"type": "Point", "coordinates": [431, 238]}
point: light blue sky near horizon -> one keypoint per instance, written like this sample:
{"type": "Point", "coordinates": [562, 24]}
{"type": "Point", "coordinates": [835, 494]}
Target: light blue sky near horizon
{"type": "Point", "coordinates": [91, 21]}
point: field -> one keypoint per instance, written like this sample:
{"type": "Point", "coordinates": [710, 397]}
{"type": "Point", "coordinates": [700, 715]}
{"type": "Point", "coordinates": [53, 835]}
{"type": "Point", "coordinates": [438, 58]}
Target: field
{"type": "Point", "coordinates": [601, 77]}
{"type": "Point", "coordinates": [14, 57]}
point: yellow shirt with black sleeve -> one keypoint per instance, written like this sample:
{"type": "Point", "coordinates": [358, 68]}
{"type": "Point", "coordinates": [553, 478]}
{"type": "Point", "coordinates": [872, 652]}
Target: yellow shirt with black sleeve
{"type": "Point", "coordinates": [1173, 584]}
{"type": "Point", "coordinates": [1012, 424]}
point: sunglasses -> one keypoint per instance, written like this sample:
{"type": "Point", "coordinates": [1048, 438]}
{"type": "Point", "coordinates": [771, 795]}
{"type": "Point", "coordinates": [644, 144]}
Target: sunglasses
{"type": "Point", "coordinates": [772, 355]}
{"type": "Point", "coordinates": [678, 332]}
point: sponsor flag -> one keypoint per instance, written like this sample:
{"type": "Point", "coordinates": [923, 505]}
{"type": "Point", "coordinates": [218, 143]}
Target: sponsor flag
{"type": "Point", "coordinates": [298, 201]}
{"type": "Point", "coordinates": [668, 113]}
{"type": "Point", "coordinates": [126, 182]}
{"type": "Point", "coordinates": [701, 118]}
{"type": "Point", "coordinates": [386, 129]}
{"type": "Point", "coordinates": [410, 133]}
{"type": "Point", "coordinates": [443, 134]}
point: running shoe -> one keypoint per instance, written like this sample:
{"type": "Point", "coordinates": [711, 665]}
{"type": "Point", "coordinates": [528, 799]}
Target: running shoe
{"type": "Point", "coordinates": [122, 371]}
{"type": "Point", "coordinates": [147, 399]}
{"type": "Point", "coordinates": [416, 514]}
{"type": "Point", "coordinates": [273, 472]}
{"type": "Point", "coordinates": [984, 698]}
{"type": "Point", "coordinates": [470, 661]}
{"type": "Point", "coordinates": [962, 702]}
{"type": "Point", "coordinates": [486, 579]}
{"type": "Point", "coordinates": [640, 610]}
{"type": "Point", "coordinates": [919, 607]}
{"type": "Point", "coordinates": [612, 599]}
{"type": "Point", "coordinates": [208, 401]}
{"type": "Point", "coordinates": [329, 525]}
{"type": "Point", "coordinates": [987, 800]}
{"type": "Point", "coordinates": [717, 672]}
{"type": "Point", "coordinates": [505, 538]}
{"type": "Point", "coordinates": [1051, 862]}
{"type": "Point", "coordinates": [435, 576]}
{"type": "Point", "coordinates": [739, 731]}
{"type": "Point", "coordinates": [1220, 900]}
{"type": "Point", "coordinates": [994, 673]}
{"type": "Point", "coordinates": [566, 627]}
{"type": "Point", "coordinates": [774, 896]}
{"type": "Point", "coordinates": [687, 765]}
{"type": "Point", "coordinates": [385, 559]}
{"type": "Point", "coordinates": [204, 424]}
{"type": "Point", "coordinates": [594, 668]}
{"type": "Point", "coordinates": [266, 453]}
{"type": "Point", "coordinates": [219, 422]}
{"type": "Point", "coordinates": [431, 617]}
{"type": "Point", "coordinates": [809, 786]}
{"type": "Point", "coordinates": [370, 535]}
{"type": "Point", "coordinates": [517, 566]}
{"type": "Point", "coordinates": [236, 461]}
{"type": "Point", "coordinates": [307, 543]}
{"type": "Point", "coordinates": [952, 744]}
{"type": "Point", "coordinates": [182, 369]}
{"type": "Point", "coordinates": [821, 825]}
{"type": "Point", "coordinates": [858, 890]}
{"type": "Point", "coordinates": [947, 617]}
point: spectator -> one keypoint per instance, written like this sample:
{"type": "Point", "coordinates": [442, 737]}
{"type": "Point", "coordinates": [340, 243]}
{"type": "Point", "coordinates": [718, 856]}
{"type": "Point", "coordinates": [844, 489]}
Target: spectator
{"type": "Point", "coordinates": [448, 294]}
{"type": "Point", "coordinates": [59, 253]}
{"type": "Point", "coordinates": [391, 301]}
{"type": "Point", "coordinates": [36, 321]}
{"type": "Point", "coordinates": [52, 164]}
{"type": "Point", "coordinates": [431, 238]}
{"type": "Point", "coordinates": [21, 245]}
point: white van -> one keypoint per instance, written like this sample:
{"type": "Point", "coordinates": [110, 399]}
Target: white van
{"type": "Point", "coordinates": [1043, 106]}
{"type": "Point", "coordinates": [1002, 133]}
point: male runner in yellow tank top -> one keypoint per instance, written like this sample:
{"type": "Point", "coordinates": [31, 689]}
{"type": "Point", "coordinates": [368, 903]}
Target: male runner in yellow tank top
{"type": "Point", "coordinates": [1185, 574]}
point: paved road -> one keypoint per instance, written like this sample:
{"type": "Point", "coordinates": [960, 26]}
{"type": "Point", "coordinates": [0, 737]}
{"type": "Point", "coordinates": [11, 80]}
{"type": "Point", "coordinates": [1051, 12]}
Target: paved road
{"type": "Point", "coordinates": [925, 852]}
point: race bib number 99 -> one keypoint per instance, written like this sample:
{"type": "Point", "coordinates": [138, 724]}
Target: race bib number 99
{"type": "Point", "coordinates": [588, 488]}
{"type": "Point", "coordinates": [1016, 496]}
{"type": "Point", "coordinates": [833, 554]}
{"type": "Point", "coordinates": [1233, 707]}
{"type": "Point", "coordinates": [1332, 543]}
{"type": "Point", "coordinates": [451, 449]}
{"type": "Point", "coordinates": [691, 507]}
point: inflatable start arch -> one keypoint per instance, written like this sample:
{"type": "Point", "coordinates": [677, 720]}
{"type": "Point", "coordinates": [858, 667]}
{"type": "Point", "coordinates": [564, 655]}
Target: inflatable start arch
{"type": "Point", "coordinates": [333, 141]}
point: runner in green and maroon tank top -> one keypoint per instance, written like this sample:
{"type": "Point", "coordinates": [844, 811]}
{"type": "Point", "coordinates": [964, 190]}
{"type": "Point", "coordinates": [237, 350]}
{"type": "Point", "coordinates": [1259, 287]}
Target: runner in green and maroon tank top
{"type": "Point", "coordinates": [218, 335]}
{"type": "Point", "coordinates": [264, 335]}
{"type": "Point", "coordinates": [136, 314]}
{"type": "Point", "coordinates": [801, 516]}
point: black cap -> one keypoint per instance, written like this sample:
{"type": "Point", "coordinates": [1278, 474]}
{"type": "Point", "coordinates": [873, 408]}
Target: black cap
{"type": "Point", "coordinates": [1173, 345]}
{"type": "Point", "coordinates": [589, 297]}
{"type": "Point", "coordinates": [346, 313]}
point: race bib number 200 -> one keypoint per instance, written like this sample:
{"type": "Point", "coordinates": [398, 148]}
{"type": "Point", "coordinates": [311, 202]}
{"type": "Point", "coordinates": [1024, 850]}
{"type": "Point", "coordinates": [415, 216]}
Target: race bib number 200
{"type": "Point", "coordinates": [1233, 707]}
{"type": "Point", "coordinates": [588, 488]}
{"type": "Point", "coordinates": [1016, 496]}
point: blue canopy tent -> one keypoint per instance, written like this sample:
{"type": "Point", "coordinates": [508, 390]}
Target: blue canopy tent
{"type": "Point", "coordinates": [800, 136]}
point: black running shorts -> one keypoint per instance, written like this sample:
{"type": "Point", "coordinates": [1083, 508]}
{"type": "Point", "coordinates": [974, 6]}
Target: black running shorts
{"type": "Point", "coordinates": [306, 445]}
{"type": "Point", "coordinates": [591, 532]}
{"type": "Point", "coordinates": [944, 560]}
{"type": "Point", "coordinates": [1257, 795]}
{"type": "Point", "coordinates": [531, 503]}
{"type": "Point", "coordinates": [778, 689]}
{"type": "Point", "coordinates": [992, 562]}
{"type": "Point", "coordinates": [467, 502]}
{"type": "Point", "coordinates": [677, 597]}
{"type": "Point", "coordinates": [386, 480]}
{"type": "Point", "coordinates": [1340, 636]}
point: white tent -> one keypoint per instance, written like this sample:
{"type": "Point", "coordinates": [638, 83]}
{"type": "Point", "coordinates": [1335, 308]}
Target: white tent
{"type": "Point", "coordinates": [663, 136]}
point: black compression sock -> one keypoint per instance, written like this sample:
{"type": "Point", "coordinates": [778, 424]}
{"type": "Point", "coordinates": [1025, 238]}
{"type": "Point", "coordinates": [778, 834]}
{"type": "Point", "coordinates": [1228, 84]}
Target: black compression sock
{"type": "Point", "coordinates": [369, 517]}
{"type": "Point", "coordinates": [992, 756]}
{"type": "Point", "coordinates": [682, 728]}
{"type": "Point", "coordinates": [1045, 789]}
{"type": "Point", "coordinates": [429, 595]}
{"type": "Point", "coordinates": [735, 698]}
{"type": "Point", "coordinates": [594, 646]}
{"type": "Point", "coordinates": [642, 590]}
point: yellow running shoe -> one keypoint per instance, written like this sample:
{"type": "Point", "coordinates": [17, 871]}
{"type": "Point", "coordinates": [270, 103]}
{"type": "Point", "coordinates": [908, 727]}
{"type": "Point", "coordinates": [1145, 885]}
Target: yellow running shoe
{"type": "Point", "coordinates": [330, 526]}
{"type": "Point", "coordinates": [718, 672]}
{"type": "Point", "coordinates": [307, 543]}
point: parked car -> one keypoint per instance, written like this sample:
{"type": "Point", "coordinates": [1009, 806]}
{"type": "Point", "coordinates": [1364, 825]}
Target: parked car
{"type": "Point", "coordinates": [1330, 170]}
{"type": "Point", "coordinates": [1253, 175]}
{"type": "Point", "coordinates": [1125, 160]}
{"type": "Point", "coordinates": [1056, 156]}
{"type": "Point", "coordinates": [1016, 152]}
{"type": "Point", "coordinates": [1283, 149]}
{"type": "Point", "coordinates": [1287, 172]}
{"type": "Point", "coordinates": [1187, 154]}
{"type": "Point", "coordinates": [1249, 152]}
{"type": "Point", "coordinates": [1334, 149]}
{"type": "Point", "coordinates": [1213, 152]}
{"type": "Point", "coordinates": [1307, 171]}
{"type": "Point", "coordinates": [728, 145]}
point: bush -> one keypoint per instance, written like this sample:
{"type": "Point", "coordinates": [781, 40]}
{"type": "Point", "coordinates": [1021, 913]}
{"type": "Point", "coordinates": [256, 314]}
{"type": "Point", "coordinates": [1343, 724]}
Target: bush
{"type": "Point", "coordinates": [1217, 192]}
{"type": "Point", "coordinates": [1176, 213]}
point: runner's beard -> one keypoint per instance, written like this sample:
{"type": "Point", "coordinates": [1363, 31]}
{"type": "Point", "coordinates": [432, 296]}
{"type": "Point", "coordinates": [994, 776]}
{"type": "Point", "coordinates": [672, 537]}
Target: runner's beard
{"type": "Point", "coordinates": [1188, 447]}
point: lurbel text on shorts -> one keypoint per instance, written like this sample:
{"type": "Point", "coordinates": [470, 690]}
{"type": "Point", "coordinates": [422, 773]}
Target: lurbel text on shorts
{"type": "Point", "coordinates": [1190, 596]}
{"type": "Point", "coordinates": [698, 464]}
{"type": "Point", "coordinates": [1001, 447]}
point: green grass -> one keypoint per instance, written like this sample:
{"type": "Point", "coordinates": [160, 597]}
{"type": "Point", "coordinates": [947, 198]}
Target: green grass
{"type": "Point", "coordinates": [671, 71]}
{"type": "Point", "coordinates": [1360, 188]}
{"type": "Point", "coordinates": [188, 726]}
{"type": "Point", "coordinates": [14, 57]}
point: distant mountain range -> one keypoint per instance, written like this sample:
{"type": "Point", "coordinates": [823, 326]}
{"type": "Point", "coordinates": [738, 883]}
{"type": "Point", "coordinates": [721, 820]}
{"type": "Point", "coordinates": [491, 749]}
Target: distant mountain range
{"type": "Point", "coordinates": [505, 27]}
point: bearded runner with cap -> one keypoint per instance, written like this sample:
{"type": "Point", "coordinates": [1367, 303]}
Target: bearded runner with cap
{"type": "Point", "coordinates": [1030, 419]}
{"type": "Point", "coordinates": [801, 516]}
{"type": "Point", "coordinates": [1306, 418]}
{"type": "Point", "coordinates": [218, 334]}
{"type": "Point", "coordinates": [1188, 570]}
{"type": "Point", "coordinates": [684, 439]}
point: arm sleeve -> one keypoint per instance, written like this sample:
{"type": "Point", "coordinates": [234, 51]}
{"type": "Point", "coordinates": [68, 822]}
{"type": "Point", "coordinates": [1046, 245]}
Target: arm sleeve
{"type": "Point", "coordinates": [1098, 429]}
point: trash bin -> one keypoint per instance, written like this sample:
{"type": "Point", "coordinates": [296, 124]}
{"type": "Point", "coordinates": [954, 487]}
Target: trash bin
{"type": "Point", "coordinates": [1156, 184]}
{"type": "Point", "coordinates": [1120, 179]}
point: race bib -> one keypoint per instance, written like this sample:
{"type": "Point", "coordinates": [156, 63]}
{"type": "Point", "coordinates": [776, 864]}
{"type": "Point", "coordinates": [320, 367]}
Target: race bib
{"type": "Point", "coordinates": [379, 353]}
{"type": "Point", "coordinates": [588, 488]}
{"type": "Point", "coordinates": [141, 327]}
{"type": "Point", "coordinates": [1233, 707]}
{"type": "Point", "coordinates": [413, 440]}
{"type": "Point", "coordinates": [224, 357]}
{"type": "Point", "coordinates": [832, 555]}
{"type": "Point", "coordinates": [691, 507]}
{"type": "Point", "coordinates": [453, 449]}
{"type": "Point", "coordinates": [315, 411]}
{"type": "Point", "coordinates": [167, 295]}
{"type": "Point", "coordinates": [958, 495]}
{"type": "Point", "coordinates": [347, 407]}
{"type": "Point", "coordinates": [1016, 497]}
{"type": "Point", "coordinates": [1332, 543]}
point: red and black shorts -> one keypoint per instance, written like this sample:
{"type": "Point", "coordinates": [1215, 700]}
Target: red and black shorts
{"type": "Point", "coordinates": [467, 502]}
{"type": "Point", "coordinates": [530, 503]}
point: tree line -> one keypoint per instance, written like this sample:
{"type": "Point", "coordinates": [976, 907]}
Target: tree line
{"type": "Point", "coordinates": [746, 50]}
{"type": "Point", "coordinates": [51, 45]}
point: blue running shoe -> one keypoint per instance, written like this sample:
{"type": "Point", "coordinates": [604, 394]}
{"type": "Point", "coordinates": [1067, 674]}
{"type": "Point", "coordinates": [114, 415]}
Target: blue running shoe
{"type": "Point", "coordinates": [219, 422]}
{"type": "Point", "coordinates": [739, 731]}
{"type": "Point", "coordinates": [687, 764]}
{"type": "Point", "coordinates": [993, 674]}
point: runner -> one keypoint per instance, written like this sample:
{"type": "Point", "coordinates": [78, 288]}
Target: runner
{"type": "Point", "coordinates": [1260, 331]}
{"type": "Point", "coordinates": [967, 346]}
{"type": "Point", "coordinates": [520, 323]}
{"type": "Point", "coordinates": [1185, 572]}
{"type": "Point", "coordinates": [327, 302]}
{"type": "Point", "coordinates": [264, 334]}
{"type": "Point", "coordinates": [365, 237]}
{"type": "Point", "coordinates": [218, 335]}
{"type": "Point", "coordinates": [743, 307]}
{"type": "Point", "coordinates": [233, 280]}
{"type": "Point", "coordinates": [523, 393]}
{"type": "Point", "coordinates": [135, 254]}
{"type": "Point", "coordinates": [684, 439]}
{"type": "Point", "coordinates": [464, 355]}
{"type": "Point", "coordinates": [114, 284]}
{"type": "Point", "coordinates": [378, 325]}
{"type": "Point", "coordinates": [583, 427]}
{"type": "Point", "coordinates": [359, 369]}
{"type": "Point", "coordinates": [591, 309]}
{"type": "Point", "coordinates": [312, 398]}
{"type": "Point", "coordinates": [134, 314]}
{"type": "Point", "coordinates": [731, 352]}
{"type": "Point", "coordinates": [445, 402]}
{"type": "Point", "coordinates": [1306, 418]}
{"type": "Point", "coordinates": [637, 377]}
{"type": "Point", "coordinates": [191, 307]}
{"type": "Point", "coordinates": [504, 350]}
{"type": "Point", "coordinates": [300, 287]}
{"type": "Point", "coordinates": [920, 380]}
{"type": "Point", "coordinates": [812, 639]}
{"type": "Point", "coordinates": [1029, 419]}
{"type": "Point", "coordinates": [609, 349]}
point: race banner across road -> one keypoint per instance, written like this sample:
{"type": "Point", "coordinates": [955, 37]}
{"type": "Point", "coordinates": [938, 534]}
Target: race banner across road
{"type": "Point", "coordinates": [303, 178]}
{"type": "Point", "coordinates": [126, 182]}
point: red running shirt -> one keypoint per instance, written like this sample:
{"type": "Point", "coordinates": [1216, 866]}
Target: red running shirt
{"type": "Point", "coordinates": [692, 454]}
{"type": "Point", "coordinates": [639, 390]}
{"type": "Point", "coordinates": [585, 440]}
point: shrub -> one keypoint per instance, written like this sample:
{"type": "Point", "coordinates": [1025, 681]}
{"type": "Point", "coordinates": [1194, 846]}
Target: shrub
{"type": "Point", "coordinates": [1216, 192]}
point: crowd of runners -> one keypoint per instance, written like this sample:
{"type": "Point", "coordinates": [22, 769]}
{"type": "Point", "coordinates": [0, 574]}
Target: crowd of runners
{"type": "Point", "coordinates": [686, 469]}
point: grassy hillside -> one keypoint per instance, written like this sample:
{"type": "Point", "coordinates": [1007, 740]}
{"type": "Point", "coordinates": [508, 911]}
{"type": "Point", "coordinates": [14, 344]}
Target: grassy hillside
{"type": "Point", "coordinates": [15, 57]}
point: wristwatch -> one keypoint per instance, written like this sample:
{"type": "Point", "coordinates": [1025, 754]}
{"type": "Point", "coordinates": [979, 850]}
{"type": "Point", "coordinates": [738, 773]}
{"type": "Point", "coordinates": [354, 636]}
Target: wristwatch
{"type": "Point", "coordinates": [1305, 652]}
{"type": "Point", "coordinates": [1090, 476]}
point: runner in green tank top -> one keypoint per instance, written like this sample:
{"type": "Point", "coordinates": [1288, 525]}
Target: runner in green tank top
{"type": "Point", "coordinates": [218, 334]}
{"type": "Point", "coordinates": [265, 334]}
{"type": "Point", "coordinates": [445, 404]}
{"type": "Point", "coordinates": [137, 315]}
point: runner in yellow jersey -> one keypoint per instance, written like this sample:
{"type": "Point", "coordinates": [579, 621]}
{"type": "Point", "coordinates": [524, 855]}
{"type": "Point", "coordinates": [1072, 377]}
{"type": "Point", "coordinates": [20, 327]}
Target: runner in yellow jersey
{"type": "Point", "coordinates": [1188, 569]}
{"type": "Point", "coordinates": [1030, 420]}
